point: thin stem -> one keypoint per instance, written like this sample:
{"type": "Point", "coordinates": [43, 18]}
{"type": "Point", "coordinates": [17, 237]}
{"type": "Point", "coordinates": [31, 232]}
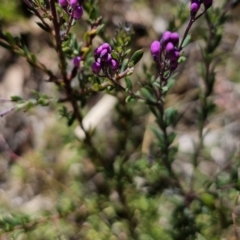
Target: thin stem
{"type": "Point", "coordinates": [165, 149]}
{"type": "Point", "coordinates": [68, 26]}
{"type": "Point", "coordinates": [67, 83]}
{"type": "Point", "coordinates": [7, 111]}
{"type": "Point", "coordinates": [30, 5]}
{"type": "Point", "coordinates": [190, 23]}
{"type": "Point", "coordinates": [132, 94]}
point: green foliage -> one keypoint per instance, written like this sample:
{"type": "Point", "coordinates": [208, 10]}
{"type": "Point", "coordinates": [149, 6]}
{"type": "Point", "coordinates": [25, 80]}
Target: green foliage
{"type": "Point", "coordinates": [10, 11]}
{"type": "Point", "coordinates": [102, 186]}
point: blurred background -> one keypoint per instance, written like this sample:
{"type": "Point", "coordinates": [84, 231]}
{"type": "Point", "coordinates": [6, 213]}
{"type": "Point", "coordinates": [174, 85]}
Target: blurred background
{"type": "Point", "coordinates": [41, 164]}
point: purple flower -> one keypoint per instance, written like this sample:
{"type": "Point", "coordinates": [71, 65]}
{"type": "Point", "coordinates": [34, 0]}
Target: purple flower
{"type": "Point", "coordinates": [114, 64]}
{"type": "Point", "coordinates": [78, 12]}
{"type": "Point", "coordinates": [207, 3]}
{"type": "Point", "coordinates": [109, 57]}
{"type": "Point", "coordinates": [195, 5]}
{"type": "Point", "coordinates": [104, 53]}
{"type": "Point", "coordinates": [103, 59]}
{"type": "Point", "coordinates": [76, 61]}
{"type": "Point", "coordinates": [174, 37]}
{"type": "Point", "coordinates": [73, 3]}
{"type": "Point", "coordinates": [174, 56]}
{"type": "Point", "coordinates": [63, 3]}
{"type": "Point", "coordinates": [167, 50]}
{"type": "Point", "coordinates": [170, 48]}
{"type": "Point", "coordinates": [155, 48]}
{"type": "Point", "coordinates": [96, 67]}
{"type": "Point", "coordinates": [166, 37]}
{"type": "Point", "coordinates": [97, 52]}
{"type": "Point", "coordinates": [106, 46]}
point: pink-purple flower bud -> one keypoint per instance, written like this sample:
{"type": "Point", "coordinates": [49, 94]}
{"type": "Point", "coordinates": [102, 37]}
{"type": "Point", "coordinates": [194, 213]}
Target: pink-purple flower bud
{"type": "Point", "coordinates": [106, 46]}
{"type": "Point", "coordinates": [76, 61]}
{"type": "Point", "coordinates": [78, 12]}
{"type": "Point", "coordinates": [98, 51]}
{"type": "Point", "coordinates": [73, 3]}
{"type": "Point", "coordinates": [166, 37]}
{"type": "Point", "coordinates": [114, 64]}
{"type": "Point", "coordinates": [155, 48]}
{"type": "Point", "coordinates": [170, 48]}
{"type": "Point", "coordinates": [103, 59]}
{"type": "Point", "coordinates": [109, 57]}
{"type": "Point", "coordinates": [195, 5]}
{"type": "Point", "coordinates": [174, 56]}
{"type": "Point", "coordinates": [63, 3]}
{"type": "Point", "coordinates": [207, 3]}
{"type": "Point", "coordinates": [104, 53]}
{"type": "Point", "coordinates": [96, 67]}
{"type": "Point", "coordinates": [174, 38]}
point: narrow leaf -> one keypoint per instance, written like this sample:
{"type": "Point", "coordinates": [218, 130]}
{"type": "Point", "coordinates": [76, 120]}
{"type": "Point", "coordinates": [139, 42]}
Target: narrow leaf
{"type": "Point", "coordinates": [136, 57]}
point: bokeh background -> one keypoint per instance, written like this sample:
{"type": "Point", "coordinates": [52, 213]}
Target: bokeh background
{"type": "Point", "coordinates": [41, 164]}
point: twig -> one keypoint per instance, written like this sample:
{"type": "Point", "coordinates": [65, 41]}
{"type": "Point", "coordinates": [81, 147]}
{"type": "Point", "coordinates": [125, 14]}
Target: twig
{"type": "Point", "coordinates": [7, 111]}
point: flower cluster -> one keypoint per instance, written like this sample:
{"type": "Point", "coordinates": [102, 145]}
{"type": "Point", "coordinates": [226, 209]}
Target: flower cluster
{"type": "Point", "coordinates": [196, 4]}
{"type": "Point", "coordinates": [103, 59]}
{"type": "Point", "coordinates": [166, 50]}
{"type": "Point", "coordinates": [73, 7]}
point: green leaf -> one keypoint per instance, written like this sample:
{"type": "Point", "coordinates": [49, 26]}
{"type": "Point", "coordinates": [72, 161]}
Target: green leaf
{"type": "Point", "coordinates": [136, 57]}
{"type": "Point", "coordinates": [124, 65]}
{"type": "Point", "coordinates": [128, 83]}
{"type": "Point", "coordinates": [208, 199]}
{"type": "Point", "coordinates": [234, 175]}
{"type": "Point", "coordinates": [100, 28]}
{"type": "Point", "coordinates": [16, 98]}
{"type": "Point", "coordinates": [211, 107]}
{"type": "Point", "coordinates": [21, 105]}
{"type": "Point", "coordinates": [181, 59]}
{"type": "Point", "coordinates": [5, 45]}
{"type": "Point", "coordinates": [129, 99]}
{"type": "Point", "coordinates": [30, 104]}
{"type": "Point", "coordinates": [172, 152]}
{"type": "Point", "coordinates": [43, 27]}
{"type": "Point", "coordinates": [155, 111]}
{"type": "Point", "coordinates": [9, 220]}
{"type": "Point", "coordinates": [93, 14]}
{"type": "Point", "coordinates": [186, 41]}
{"type": "Point", "coordinates": [171, 137]}
{"type": "Point", "coordinates": [71, 120]}
{"type": "Point", "coordinates": [127, 52]}
{"type": "Point", "coordinates": [36, 94]}
{"type": "Point", "coordinates": [114, 55]}
{"type": "Point", "coordinates": [10, 38]}
{"type": "Point", "coordinates": [33, 58]}
{"type": "Point", "coordinates": [43, 101]}
{"type": "Point", "coordinates": [147, 94]}
{"type": "Point", "coordinates": [156, 84]}
{"type": "Point", "coordinates": [164, 89]}
{"type": "Point", "coordinates": [159, 135]}
{"type": "Point", "coordinates": [170, 116]}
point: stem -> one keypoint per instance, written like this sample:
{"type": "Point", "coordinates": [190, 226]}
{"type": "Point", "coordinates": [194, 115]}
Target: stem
{"type": "Point", "coordinates": [127, 210]}
{"type": "Point", "coordinates": [165, 149]}
{"type": "Point", "coordinates": [30, 5]}
{"type": "Point", "coordinates": [190, 23]}
{"type": "Point", "coordinates": [132, 94]}
{"type": "Point", "coordinates": [67, 83]}
{"type": "Point", "coordinates": [61, 56]}
{"type": "Point", "coordinates": [7, 111]}
{"type": "Point", "coordinates": [68, 26]}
